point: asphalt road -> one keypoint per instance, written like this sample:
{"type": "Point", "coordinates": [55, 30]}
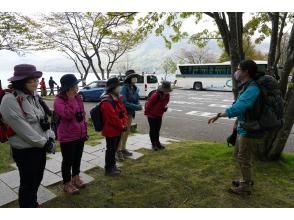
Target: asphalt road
{"type": "Point", "coordinates": [188, 114]}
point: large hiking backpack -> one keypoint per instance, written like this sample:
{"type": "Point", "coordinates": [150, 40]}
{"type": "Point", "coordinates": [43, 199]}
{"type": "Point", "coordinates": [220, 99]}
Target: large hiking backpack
{"type": "Point", "coordinates": [268, 112]}
{"type": "Point", "coordinates": [96, 114]}
{"type": "Point", "coordinates": [5, 131]}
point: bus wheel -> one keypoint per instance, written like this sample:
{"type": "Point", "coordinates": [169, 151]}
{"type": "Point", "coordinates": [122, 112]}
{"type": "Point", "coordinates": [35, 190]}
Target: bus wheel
{"type": "Point", "coordinates": [197, 86]}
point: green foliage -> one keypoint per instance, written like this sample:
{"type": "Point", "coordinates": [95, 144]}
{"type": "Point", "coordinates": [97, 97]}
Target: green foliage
{"type": "Point", "coordinates": [169, 65]}
{"type": "Point", "coordinates": [187, 174]}
{"type": "Point", "coordinates": [249, 50]}
{"type": "Point", "coordinates": [14, 33]}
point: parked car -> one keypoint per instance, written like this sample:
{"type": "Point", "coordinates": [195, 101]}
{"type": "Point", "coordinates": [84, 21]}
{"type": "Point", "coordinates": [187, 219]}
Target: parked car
{"type": "Point", "coordinates": [93, 91]}
{"type": "Point", "coordinates": [146, 84]}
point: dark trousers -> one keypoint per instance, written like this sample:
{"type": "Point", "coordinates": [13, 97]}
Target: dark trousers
{"type": "Point", "coordinates": [31, 165]}
{"type": "Point", "coordinates": [154, 129]}
{"type": "Point", "coordinates": [51, 91]}
{"type": "Point", "coordinates": [111, 148]}
{"type": "Point", "coordinates": [71, 159]}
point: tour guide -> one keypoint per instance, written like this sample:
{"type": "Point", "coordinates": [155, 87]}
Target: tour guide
{"type": "Point", "coordinates": [245, 145]}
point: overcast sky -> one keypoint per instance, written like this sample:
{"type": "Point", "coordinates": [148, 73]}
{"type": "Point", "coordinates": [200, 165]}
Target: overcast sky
{"type": "Point", "coordinates": [146, 56]}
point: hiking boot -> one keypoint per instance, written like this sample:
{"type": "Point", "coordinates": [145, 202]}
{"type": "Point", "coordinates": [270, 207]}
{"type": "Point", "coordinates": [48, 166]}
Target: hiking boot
{"type": "Point", "coordinates": [119, 157]}
{"type": "Point", "coordinates": [118, 169]}
{"type": "Point", "coordinates": [77, 182]}
{"type": "Point", "coordinates": [243, 189]}
{"type": "Point", "coordinates": [160, 146]}
{"type": "Point", "coordinates": [236, 183]}
{"type": "Point", "coordinates": [112, 172]}
{"type": "Point", "coordinates": [155, 147]}
{"type": "Point", "coordinates": [127, 153]}
{"type": "Point", "coordinates": [70, 188]}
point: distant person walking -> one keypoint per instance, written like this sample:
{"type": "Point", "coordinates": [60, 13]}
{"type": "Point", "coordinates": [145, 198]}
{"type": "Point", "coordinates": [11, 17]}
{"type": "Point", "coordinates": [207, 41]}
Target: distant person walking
{"type": "Point", "coordinates": [71, 132]}
{"type": "Point", "coordinates": [115, 121]}
{"type": "Point", "coordinates": [247, 142]}
{"type": "Point", "coordinates": [155, 107]}
{"type": "Point", "coordinates": [51, 85]}
{"type": "Point", "coordinates": [31, 137]}
{"type": "Point", "coordinates": [43, 87]}
{"type": "Point", "coordinates": [130, 95]}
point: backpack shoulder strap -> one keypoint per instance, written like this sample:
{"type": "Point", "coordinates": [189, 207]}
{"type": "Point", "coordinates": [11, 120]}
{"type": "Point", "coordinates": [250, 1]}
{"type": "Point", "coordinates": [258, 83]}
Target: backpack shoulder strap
{"type": "Point", "coordinates": [19, 100]}
{"type": "Point", "coordinates": [108, 98]}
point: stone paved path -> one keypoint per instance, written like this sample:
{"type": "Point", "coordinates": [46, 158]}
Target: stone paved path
{"type": "Point", "coordinates": [92, 157]}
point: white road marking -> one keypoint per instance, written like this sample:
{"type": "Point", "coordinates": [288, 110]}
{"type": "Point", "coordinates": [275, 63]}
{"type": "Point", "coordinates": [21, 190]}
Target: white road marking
{"type": "Point", "coordinates": [219, 105]}
{"type": "Point", "coordinates": [174, 110]}
{"type": "Point", "coordinates": [228, 100]}
{"type": "Point", "coordinates": [188, 103]}
{"type": "Point", "coordinates": [204, 114]}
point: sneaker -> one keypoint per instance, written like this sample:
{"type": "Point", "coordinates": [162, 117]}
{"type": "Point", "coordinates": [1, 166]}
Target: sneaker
{"type": "Point", "coordinates": [127, 153]}
{"type": "Point", "coordinates": [77, 182]}
{"type": "Point", "coordinates": [112, 172]}
{"type": "Point", "coordinates": [118, 169]}
{"type": "Point", "coordinates": [155, 148]}
{"type": "Point", "coordinates": [236, 183]}
{"type": "Point", "coordinates": [119, 157]}
{"type": "Point", "coordinates": [70, 188]}
{"type": "Point", "coordinates": [243, 189]}
{"type": "Point", "coordinates": [160, 146]}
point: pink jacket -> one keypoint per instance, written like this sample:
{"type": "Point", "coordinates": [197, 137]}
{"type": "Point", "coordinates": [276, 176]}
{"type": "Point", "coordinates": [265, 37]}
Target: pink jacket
{"type": "Point", "coordinates": [69, 129]}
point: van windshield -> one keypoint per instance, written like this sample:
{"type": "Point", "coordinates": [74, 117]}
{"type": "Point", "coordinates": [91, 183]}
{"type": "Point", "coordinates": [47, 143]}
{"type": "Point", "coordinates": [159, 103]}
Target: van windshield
{"type": "Point", "coordinates": [152, 79]}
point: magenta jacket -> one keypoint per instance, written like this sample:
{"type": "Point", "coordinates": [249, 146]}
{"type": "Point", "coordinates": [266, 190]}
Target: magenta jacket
{"type": "Point", "coordinates": [69, 129]}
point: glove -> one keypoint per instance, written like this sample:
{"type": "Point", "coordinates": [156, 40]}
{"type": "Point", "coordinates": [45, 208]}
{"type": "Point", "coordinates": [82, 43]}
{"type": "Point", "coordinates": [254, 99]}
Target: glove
{"type": "Point", "coordinates": [50, 146]}
{"type": "Point", "coordinates": [232, 138]}
{"type": "Point", "coordinates": [140, 107]}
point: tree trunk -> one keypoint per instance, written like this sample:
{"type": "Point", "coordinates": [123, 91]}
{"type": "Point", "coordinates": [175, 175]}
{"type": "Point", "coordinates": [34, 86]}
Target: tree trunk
{"type": "Point", "coordinates": [283, 135]}
{"type": "Point", "coordinates": [273, 44]}
{"type": "Point", "coordinates": [275, 148]}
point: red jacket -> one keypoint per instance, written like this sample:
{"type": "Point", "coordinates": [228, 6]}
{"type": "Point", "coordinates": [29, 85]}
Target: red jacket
{"type": "Point", "coordinates": [42, 84]}
{"type": "Point", "coordinates": [113, 125]}
{"type": "Point", "coordinates": [156, 105]}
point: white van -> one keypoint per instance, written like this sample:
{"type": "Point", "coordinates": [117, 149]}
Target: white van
{"type": "Point", "coordinates": [146, 83]}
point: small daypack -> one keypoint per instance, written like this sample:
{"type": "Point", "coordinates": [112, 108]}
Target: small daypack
{"type": "Point", "coordinates": [5, 131]}
{"type": "Point", "coordinates": [96, 114]}
{"type": "Point", "coordinates": [268, 111]}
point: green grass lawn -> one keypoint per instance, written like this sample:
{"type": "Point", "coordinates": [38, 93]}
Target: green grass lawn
{"type": "Point", "coordinates": [188, 174]}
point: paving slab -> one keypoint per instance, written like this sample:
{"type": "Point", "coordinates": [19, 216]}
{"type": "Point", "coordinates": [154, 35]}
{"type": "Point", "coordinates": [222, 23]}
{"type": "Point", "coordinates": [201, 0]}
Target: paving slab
{"type": "Point", "coordinates": [50, 178]}
{"type": "Point", "coordinates": [86, 178]}
{"type": "Point", "coordinates": [136, 155]}
{"type": "Point", "coordinates": [100, 162]}
{"type": "Point", "coordinates": [87, 156]}
{"type": "Point", "coordinates": [57, 156]}
{"type": "Point", "coordinates": [99, 153]}
{"type": "Point", "coordinates": [11, 178]}
{"type": "Point", "coordinates": [7, 195]}
{"type": "Point", "coordinates": [85, 166]}
{"type": "Point", "coordinates": [43, 195]}
{"type": "Point", "coordinates": [53, 165]}
{"type": "Point", "coordinates": [90, 149]}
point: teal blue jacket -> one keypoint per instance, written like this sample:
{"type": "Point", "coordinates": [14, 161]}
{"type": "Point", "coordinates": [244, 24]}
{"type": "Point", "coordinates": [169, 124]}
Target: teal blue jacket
{"type": "Point", "coordinates": [130, 98]}
{"type": "Point", "coordinates": [245, 101]}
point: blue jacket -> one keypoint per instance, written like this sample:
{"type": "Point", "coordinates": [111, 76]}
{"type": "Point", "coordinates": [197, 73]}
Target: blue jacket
{"type": "Point", "coordinates": [130, 98]}
{"type": "Point", "coordinates": [245, 101]}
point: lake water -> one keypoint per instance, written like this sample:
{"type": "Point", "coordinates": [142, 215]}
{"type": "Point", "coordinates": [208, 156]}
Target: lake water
{"type": "Point", "coordinates": [57, 75]}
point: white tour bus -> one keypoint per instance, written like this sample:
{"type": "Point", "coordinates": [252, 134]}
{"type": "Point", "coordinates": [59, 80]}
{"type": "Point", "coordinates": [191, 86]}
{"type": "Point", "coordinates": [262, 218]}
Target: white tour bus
{"type": "Point", "coordinates": [213, 76]}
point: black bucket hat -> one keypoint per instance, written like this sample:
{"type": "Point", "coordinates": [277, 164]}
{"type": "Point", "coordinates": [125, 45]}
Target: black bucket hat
{"type": "Point", "coordinates": [112, 83]}
{"type": "Point", "coordinates": [67, 81]}
{"type": "Point", "coordinates": [129, 75]}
